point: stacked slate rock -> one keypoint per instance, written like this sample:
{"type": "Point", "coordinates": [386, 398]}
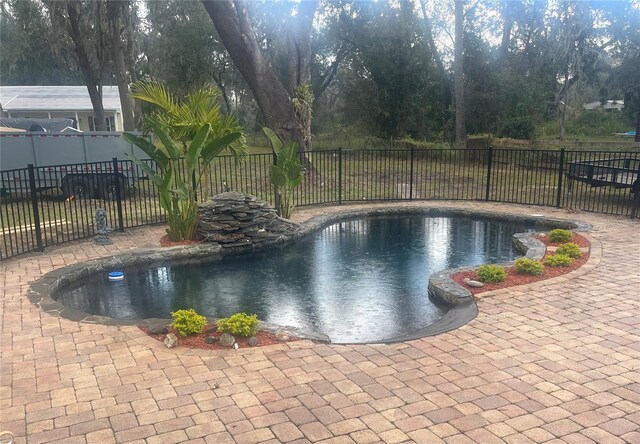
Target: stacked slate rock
{"type": "Point", "coordinates": [235, 219]}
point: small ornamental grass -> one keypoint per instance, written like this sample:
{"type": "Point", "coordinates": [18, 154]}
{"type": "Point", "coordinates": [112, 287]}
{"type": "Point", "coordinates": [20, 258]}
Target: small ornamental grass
{"type": "Point", "coordinates": [529, 266]}
{"type": "Point", "coordinates": [188, 322]}
{"type": "Point", "coordinates": [491, 273]}
{"type": "Point", "coordinates": [239, 324]}
{"type": "Point", "coordinates": [559, 235]}
{"type": "Point", "coordinates": [569, 249]}
{"type": "Point", "coordinates": [557, 260]}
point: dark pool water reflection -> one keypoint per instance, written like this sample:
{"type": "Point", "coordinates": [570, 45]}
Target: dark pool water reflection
{"type": "Point", "coordinates": [357, 281]}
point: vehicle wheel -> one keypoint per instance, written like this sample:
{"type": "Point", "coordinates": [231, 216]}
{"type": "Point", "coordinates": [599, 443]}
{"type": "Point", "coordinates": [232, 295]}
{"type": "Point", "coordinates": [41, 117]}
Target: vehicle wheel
{"type": "Point", "coordinates": [110, 192]}
{"type": "Point", "coordinates": [78, 188]}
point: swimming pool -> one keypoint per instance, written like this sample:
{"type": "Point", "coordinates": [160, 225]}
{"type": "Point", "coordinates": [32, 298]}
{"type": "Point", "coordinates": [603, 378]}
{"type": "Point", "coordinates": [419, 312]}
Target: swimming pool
{"type": "Point", "coordinates": [356, 281]}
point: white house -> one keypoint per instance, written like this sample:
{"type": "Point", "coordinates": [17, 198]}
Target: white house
{"type": "Point", "coordinates": [70, 102]}
{"type": "Point", "coordinates": [607, 105]}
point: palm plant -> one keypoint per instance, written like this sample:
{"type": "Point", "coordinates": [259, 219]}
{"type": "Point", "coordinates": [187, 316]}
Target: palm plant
{"type": "Point", "coordinates": [180, 173]}
{"type": "Point", "coordinates": [191, 133]}
{"type": "Point", "coordinates": [286, 173]}
{"type": "Point", "coordinates": [182, 119]}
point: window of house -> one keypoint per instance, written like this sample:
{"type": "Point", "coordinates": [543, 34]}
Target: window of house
{"type": "Point", "coordinates": [111, 123]}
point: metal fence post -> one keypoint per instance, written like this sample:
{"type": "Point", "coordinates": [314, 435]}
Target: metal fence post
{"type": "Point", "coordinates": [34, 206]}
{"type": "Point", "coordinates": [489, 162]}
{"type": "Point", "coordinates": [411, 176]}
{"type": "Point", "coordinates": [635, 209]}
{"type": "Point", "coordinates": [116, 177]}
{"type": "Point", "coordinates": [276, 196]}
{"type": "Point", "coordinates": [560, 177]}
{"type": "Point", "coordinates": [339, 175]}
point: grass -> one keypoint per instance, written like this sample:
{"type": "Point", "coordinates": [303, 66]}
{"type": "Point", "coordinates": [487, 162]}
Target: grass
{"type": "Point", "coordinates": [330, 141]}
{"type": "Point", "coordinates": [363, 176]}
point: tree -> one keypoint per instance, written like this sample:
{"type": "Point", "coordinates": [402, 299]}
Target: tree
{"type": "Point", "coordinates": [428, 35]}
{"type": "Point", "coordinates": [181, 31]}
{"type": "Point", "coordinates": [231, 20]}
{"type": "Point", "coordinates": [83, 22]}
{"type": "Point", "coordinates": [461, 136]}
{"type": "Point", "coordinates": [30, 52]}
{"type": "Point", "coordinates": [299, 67]}
{"type": "Point", "coordinates": [390, 82]}
{"type": "Point", "coordinates": [119, 30]}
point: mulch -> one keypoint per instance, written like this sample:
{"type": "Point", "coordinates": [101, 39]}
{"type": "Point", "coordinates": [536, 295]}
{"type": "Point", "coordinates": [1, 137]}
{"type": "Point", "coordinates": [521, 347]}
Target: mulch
{"type": "Point", "coordinates": [165, 242]}
{"type": "Point", "coordinates": [515, 278]}
{"type": "Point", "coordinates": [197, 341]}
{"type": "Point", "coordinates": [577, 239]}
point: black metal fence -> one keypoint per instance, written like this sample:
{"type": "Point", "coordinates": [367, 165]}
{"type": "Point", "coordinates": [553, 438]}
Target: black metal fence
{"type": "Point", "coordinates": [49, 205]}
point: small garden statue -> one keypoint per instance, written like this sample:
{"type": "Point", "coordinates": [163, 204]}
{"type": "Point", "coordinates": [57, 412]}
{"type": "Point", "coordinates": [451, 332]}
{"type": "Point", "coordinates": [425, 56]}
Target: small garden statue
{"type": "Point", "coordinates": [102, 230]}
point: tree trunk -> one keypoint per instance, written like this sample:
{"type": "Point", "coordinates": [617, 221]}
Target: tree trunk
{"type": "Point", "coordinates": [231, 20]}
{"type": "Point", "coordinates": [221, 86]}
{"type": "Point", "coordinates": [508, 13]}
{"type": "Point", "coordinates": [428, 32]}
{"type": "Point", "coordinates": [461, 136]}
{"type": "Point", "coordinates": [114, 11]}
{"type": "Point", "coordinates": [299, 39]}
{"type": "Point", "coordinates": [299, 69]}
{"type": "Point", "coordinates": [564, 103]}
{"type": "Point", "coordinates": [90, 78]}
{"type": "Point", "coordinates": [324, 80]}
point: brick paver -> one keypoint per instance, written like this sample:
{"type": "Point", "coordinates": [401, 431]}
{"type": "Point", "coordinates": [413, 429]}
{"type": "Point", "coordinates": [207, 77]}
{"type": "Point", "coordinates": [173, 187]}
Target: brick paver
{"type": "Point", "coordinates": [555, 361]}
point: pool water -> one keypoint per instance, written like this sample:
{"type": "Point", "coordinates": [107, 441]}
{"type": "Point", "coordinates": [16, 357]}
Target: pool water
{"type": "Point", "coordinates": [357, 281]}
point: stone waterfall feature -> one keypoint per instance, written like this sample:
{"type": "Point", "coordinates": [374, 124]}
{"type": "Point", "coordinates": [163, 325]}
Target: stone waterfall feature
{"type": "Point", "coordinates": [236, 219]}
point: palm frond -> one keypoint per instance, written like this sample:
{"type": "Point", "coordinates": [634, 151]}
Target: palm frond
{"type": "Point", "coordinates": [155, 92]}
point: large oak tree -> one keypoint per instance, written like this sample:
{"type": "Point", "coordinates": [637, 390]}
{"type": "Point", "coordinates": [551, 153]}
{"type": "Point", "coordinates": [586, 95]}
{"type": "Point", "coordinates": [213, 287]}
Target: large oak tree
{"type": "Point", "coordinates": [233, 24]}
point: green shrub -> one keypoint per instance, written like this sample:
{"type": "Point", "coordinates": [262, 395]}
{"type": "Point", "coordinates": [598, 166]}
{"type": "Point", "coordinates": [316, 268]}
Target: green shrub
{"type": "Point", "coordinates": [188, 322]}
{"type": "Point", "coordinates": [239, 324]}
{"type": "Point", "coordinates": [529, 266]}
{"type": "Point", "coordinates": [569, 249]}
{"type": "Point", "coordinates": [491, 273]}
{"type": "Point", "coordinates": [559, 235]}
{"type": "Point", "coordinates": [557, 260]}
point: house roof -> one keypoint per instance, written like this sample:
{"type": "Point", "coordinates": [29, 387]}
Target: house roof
{"type": "Point", "coordinates": [55, 98]}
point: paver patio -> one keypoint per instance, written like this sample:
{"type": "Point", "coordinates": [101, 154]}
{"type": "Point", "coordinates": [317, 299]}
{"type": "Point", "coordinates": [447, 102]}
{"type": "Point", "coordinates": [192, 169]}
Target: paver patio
{"type": "Point", "coordinates": [552, 362]}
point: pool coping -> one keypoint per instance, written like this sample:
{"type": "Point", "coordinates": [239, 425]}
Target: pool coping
{"type": "Point", "coordinates": [462, 305]}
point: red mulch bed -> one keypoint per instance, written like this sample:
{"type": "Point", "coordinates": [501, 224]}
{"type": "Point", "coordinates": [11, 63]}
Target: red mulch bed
{"type": "Point", "coordinates": [197, 341]}
{"type": "Point", "coordinates": [165, 242]}
{"type": "Point", "coordinates": [516, 278]}
{"type": "Point", "coordinates": [577, 239]}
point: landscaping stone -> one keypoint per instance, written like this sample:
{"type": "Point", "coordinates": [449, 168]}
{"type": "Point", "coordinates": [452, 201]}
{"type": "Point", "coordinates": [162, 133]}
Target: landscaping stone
{"type": "Point", "coordinates": [235, 219]}
{"type": "Point", "coordinates": [472, 283]}
{"type": "Point", "coordinates": [226, 340]}
{"type": "Point", "coordinates": [210, 340]}
{"type": "Point", "coordinates": [158, 329]}
{"type": "Point", "coordinates": [282, 336]}
{"type": "Point", "coordinates": [252, 341]}
{"type": "Point", "coordinates": [171, 340]}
